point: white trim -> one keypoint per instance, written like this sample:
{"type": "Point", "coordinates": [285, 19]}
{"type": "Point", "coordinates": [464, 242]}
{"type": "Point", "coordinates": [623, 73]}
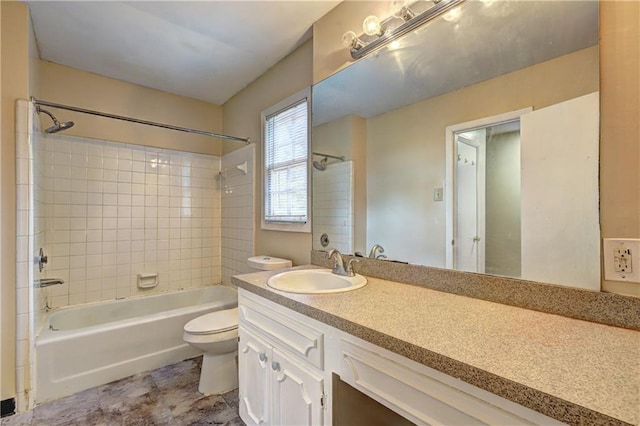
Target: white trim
{"type": "Point", "coordinates": [450, 158]}
{"type": "Point", "coordinates": [289, 227]}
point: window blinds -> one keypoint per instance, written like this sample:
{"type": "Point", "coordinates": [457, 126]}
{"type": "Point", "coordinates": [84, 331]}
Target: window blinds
{"type": "Point", "coordinates": [286, 162]}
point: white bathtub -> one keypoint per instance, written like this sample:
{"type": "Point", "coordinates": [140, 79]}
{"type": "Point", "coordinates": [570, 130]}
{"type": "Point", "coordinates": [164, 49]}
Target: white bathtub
{"type": "Point", "coordinates": [89, 345]}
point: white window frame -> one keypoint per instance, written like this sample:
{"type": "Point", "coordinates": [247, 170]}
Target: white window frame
{"type": "Point", "coordinates": [305, 227]}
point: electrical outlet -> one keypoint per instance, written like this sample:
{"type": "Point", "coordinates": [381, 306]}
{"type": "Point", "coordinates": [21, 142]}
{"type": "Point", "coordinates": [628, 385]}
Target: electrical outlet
{"type": "Point", "coordinates": [620, 255]}
{"type": "Point", "coordinates": [622, 260]}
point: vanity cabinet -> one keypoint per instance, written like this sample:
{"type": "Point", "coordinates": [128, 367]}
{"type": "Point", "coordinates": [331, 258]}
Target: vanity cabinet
{"type": "Point", "coordinates": [280, 377]}
{"type": "Point", "coordinates": [287, 360]}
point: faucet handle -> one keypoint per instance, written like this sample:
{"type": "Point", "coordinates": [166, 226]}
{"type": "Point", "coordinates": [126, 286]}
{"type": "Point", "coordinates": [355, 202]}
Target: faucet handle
{"type": "Point", "coordinates": [349, 269]}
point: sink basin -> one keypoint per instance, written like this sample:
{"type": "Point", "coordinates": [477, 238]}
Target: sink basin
{"type": "Point", "coordinates": [315, 281]}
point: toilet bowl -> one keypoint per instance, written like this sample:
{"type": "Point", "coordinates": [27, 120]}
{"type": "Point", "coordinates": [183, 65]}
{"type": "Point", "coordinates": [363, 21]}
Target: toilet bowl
{"type": "Point", "coordinates": [216, 334]}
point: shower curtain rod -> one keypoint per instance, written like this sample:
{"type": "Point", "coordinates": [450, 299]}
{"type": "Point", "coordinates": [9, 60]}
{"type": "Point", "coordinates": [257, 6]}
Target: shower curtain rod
{"type": "Point", "coordinates": [135, 120]}
{"type": "Point", "coordinates": [328, 155]}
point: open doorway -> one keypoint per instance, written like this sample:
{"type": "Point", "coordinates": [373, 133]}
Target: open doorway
{"type": "Point", "coordinates": [483, 203]}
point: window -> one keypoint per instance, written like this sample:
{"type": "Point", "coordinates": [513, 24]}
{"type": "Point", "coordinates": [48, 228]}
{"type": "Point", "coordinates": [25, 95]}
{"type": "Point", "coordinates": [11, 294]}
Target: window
{"type": "Point", "coordinates": [285, 130]}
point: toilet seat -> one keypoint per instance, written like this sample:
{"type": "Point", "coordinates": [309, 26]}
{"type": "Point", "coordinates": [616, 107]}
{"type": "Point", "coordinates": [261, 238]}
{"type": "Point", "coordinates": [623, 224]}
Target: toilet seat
{"type": "Point", "coordinates": [214, 322]}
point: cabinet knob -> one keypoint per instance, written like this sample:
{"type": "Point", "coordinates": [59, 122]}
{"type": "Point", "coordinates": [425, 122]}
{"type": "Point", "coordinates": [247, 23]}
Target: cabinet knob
{"type": "Point", "coordinates": [262, 356]}
{"type": "Point", "coordinates": [275, 365]}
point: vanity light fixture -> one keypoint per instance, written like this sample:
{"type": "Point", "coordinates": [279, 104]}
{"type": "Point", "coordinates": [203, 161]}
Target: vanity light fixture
{"type": "Point", "coordinates": [385, 32]}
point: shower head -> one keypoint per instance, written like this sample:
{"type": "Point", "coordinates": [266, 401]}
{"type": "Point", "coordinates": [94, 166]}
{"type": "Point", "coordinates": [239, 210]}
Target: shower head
{"type": "Point", "coordinates": [321, 165]}
{"type": "Point", "coordinates": [57, 125]}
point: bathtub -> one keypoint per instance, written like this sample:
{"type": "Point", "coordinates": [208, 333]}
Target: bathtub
{"type": "Point", "coordinates": [89, 345]}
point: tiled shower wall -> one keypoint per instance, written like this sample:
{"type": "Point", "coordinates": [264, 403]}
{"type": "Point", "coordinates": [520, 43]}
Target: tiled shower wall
{"type": "Point", "coordinates": [110, 211]}
{"type": "Point", "coordinates": [333, 207]}
{"type": "Point", "coordinates": [237, 211]}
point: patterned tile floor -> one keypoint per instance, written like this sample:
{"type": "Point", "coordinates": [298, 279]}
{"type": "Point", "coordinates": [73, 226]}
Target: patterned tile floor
{"type": "Point", "coordinates": [166, 396]}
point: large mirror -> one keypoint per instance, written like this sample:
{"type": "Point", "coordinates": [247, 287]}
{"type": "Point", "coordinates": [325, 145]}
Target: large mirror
{"type": "Point", "coordinates": [472, 143]}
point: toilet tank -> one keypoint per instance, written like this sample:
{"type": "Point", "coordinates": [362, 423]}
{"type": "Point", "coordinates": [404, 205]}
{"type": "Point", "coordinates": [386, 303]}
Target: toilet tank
{"type": "Point", "coordinates": [267, 263]}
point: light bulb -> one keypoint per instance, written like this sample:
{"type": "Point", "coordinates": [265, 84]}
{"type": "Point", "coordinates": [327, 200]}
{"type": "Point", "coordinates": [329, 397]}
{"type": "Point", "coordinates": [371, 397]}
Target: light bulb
{"type": "Point", "coordinates": [400, 9]}
{"type": "Point", "coordinates": [396, 7]}
{"type": "Point", "coordinates": [349, 38]}
{"type": "Point", "coordinates": [395, 44]}
{"type": "Point", "coordinates": [453, 14]}
{"type": "Point", "coordinates": [371, 25]}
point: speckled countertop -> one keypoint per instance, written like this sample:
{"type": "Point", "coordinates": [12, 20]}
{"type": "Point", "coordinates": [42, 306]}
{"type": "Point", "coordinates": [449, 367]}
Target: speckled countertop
{"type": "Point", "coordinates": [575, 371]}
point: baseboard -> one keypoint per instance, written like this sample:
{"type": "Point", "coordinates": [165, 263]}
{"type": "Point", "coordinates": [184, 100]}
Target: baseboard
{"type": "Point", "coordinates": [8, 407]}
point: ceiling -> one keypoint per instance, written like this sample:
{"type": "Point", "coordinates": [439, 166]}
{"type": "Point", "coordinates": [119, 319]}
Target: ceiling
{"type": "Point", "coordinates": [207, 50]}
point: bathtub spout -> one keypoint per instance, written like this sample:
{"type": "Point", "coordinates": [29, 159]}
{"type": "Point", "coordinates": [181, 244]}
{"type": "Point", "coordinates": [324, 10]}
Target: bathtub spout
{"type": "Point", "coordinates": [47, 282]}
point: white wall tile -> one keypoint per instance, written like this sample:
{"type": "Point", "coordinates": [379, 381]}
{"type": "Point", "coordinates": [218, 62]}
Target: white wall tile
{"type": "Point", "coordinates": [115, 210]}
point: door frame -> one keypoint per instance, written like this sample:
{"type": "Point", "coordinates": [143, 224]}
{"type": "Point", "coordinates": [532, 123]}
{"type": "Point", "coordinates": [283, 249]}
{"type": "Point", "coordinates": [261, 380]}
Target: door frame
{"type": "Point", "coordinates": [450, 164]}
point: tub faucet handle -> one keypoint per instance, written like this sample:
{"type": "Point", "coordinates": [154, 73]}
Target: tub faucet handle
{"type": "Point", "coordinates": [41, 259]}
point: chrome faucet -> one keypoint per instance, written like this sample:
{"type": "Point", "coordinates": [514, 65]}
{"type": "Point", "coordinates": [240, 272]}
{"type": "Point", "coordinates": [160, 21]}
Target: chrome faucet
{"type": "Point", "coordinates": [47, 282]}
{"type": "Point", "coordinates": [373, 254]}
{"type": "Point", "coordinates": [339, 267]}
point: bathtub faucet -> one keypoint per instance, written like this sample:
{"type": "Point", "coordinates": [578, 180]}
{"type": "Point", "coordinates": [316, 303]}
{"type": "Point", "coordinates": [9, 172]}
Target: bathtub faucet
{"type": "Point", "coordinates": [47, 282]}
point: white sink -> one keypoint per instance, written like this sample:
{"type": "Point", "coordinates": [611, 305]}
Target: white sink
{"type": "Point", "coordinates": [315, 281]}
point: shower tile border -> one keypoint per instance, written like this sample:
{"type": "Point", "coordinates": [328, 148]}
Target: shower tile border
{"type": "Point", "coordinates": [26, 124]}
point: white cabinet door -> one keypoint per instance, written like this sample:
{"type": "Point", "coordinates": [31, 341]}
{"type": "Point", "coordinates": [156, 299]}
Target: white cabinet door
{"type": "Point", "coordinates": [297, 392]}
{"type": "Point", "coordinates": [254, 378]}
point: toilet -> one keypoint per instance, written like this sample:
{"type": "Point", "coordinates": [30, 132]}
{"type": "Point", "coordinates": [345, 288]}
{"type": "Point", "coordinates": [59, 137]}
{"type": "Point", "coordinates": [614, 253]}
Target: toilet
{"type": "Point", "coordinates": [267, 263]}
{"type": "Point", "coordinates": [216, 334]}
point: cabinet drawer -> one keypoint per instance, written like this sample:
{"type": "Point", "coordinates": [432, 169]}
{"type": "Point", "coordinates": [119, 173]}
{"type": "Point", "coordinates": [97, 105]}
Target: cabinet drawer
{"type": "Point", "coordinates": [426, 396]}
{"type": "Point", "coordinates": [285, 331]}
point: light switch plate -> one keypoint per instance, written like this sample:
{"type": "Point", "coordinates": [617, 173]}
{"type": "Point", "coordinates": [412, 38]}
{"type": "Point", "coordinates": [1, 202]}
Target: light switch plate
{"type": "Point", "coordinates": [438, 194]}
{"type": "Point", "coordinates": [621, 259]}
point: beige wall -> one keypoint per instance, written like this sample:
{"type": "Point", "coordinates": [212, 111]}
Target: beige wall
{"type": "Point", "coordinates": [241, 115]}
{"type": "Point", "coordinates": [3, 388]}
{"type": "Point", "coordinates": [619, 125]}
{"type": "Point", "coordinates": [15, 84]}
{"type": "Point", "coordinates": [70, 86]}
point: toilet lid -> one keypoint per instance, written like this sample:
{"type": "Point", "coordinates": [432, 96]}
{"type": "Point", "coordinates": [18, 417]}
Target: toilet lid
{"type": "Point", "coordinates": [214, 322]}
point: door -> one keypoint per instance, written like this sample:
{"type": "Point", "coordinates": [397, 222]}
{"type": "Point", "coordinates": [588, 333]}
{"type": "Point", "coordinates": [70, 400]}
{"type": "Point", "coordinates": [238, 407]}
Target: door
{"type": "Point", "coordinates": [253, 361]}
{"type": "Point", "coordinates": [560, 198]}
{"type": "Point", "coordinates": [297, 392]}
{"type": "Point", "coordinates": [469, 196]}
